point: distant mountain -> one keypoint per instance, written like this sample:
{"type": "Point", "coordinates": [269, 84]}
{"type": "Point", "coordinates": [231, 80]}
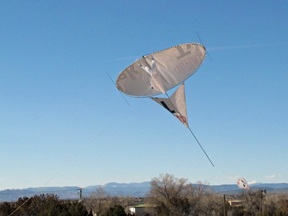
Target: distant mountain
{"type": "Point", "coordinates": [271, 185]}
{"type": "Point", "coordinates": [113, 188]}
{"type": "Point", "coordinates": [223, 188]}
{"type": "Point", "coordinates": [131, 189]}
{"type": "Point", "coordinates": [62, 192]}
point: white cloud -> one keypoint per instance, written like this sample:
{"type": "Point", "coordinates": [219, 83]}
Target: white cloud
{"type": "Point", "coordinates": [270, 177]}
{"type": "Point", "coordinates": [253, 182]}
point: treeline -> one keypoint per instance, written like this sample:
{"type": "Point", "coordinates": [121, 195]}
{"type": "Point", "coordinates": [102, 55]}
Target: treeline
{"type": "Point", "coordinates": [168, 196]}
{"type": "Point", "coordinates": [174, 197]}
{"type": "Point", "coordinates": [43, 205]}
{"type": "Point", "coordinates": [50, 205]}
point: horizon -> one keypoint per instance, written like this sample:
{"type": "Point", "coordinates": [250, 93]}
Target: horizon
{"type": "Point", "coordinates": [131, 183]}
{"type": "Point", "coordinates": [127, 189]}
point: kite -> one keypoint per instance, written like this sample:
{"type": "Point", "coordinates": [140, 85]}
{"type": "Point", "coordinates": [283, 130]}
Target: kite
{"type": "Point", "coordinates": [161, 71]}
{"type": "Point", "coordinates": [242, 183]}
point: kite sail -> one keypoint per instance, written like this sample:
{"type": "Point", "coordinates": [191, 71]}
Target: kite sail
{"type": "Point", "coordinates": [242, 183]}
{"type": "Point", "coordinates": [160, 71]}
{"type": "Point", "coordinates": [156, 82]}
{"type": "Point", "coordinates": [176, 104]}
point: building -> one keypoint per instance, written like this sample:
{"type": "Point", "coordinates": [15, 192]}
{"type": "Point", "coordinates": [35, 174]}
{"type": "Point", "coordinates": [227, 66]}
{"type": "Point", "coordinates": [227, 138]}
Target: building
{"type": "Point", "coordinates": [142, 210]}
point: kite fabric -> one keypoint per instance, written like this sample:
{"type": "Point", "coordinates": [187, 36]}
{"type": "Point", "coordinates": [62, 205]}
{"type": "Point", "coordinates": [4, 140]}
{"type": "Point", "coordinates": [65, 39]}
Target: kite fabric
{"type": "Point", "coordinates": [156, 82]}
{"type": "Point", "coordinates": [176, 104]}
{"type": "Point", "coordinates": [242, 183]}
{"type": "Point", "coordinates": [160, 71]}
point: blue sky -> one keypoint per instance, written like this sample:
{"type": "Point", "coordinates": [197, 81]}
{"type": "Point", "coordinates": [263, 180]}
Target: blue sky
{"type": "Point", "coordinates": [63, 123]}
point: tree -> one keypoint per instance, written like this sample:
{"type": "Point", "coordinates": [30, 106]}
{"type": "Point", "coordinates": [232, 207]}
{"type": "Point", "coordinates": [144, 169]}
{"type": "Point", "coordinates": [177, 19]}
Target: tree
{"type": "Point", "coordinates": [98, 202]}
{"type": "Point", "coordinates": [276, 204]}
{"type": "Point", "coordinates": [252, 202]}
{"type": "Point", "coordinates": [117, 210]}
{"type": "Point", "coordinates": [6, 209]}
{"type": "Point", "coordinates": [44, 205]}
{"type": "Point", "coordinates": [176, 197]}
{"type": "Point", "coordinates": [168, 194]}
{"type": "Point", "coordinates": [202, 200]}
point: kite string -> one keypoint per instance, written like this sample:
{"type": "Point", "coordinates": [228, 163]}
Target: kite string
{"type": "Point", "coordinates": [201, 146]}
{"type": "Point", "coordinates": [69, 161]}
{"type": "Point", "coordinates": [116, 87]}
{"type": "Point", "coordinates": [203, 45]}
{"type": "Point", "coordinates": [229, 174]}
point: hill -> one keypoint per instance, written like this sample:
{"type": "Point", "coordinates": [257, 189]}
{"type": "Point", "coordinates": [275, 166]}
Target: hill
{"type": "Point", "coordinates": [131, 189]}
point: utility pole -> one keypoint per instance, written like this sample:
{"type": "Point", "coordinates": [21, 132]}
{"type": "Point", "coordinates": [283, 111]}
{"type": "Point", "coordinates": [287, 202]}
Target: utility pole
{"type": "Point", "coordinates": [80, 189]}
{"type": "Point", "coordinates": [261, 198]}
{"type": "Point", "coordinates": [224, 200]}
{"type": "Point", "coordinates": [262, 194]}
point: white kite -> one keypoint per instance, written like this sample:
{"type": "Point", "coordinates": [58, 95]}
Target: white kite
{"type": "Point", "coordinates": [158, 72]}
{"type": "Point", "coordinates": [161, 71]}
{"type": "Point", "coordinates": [242, 183]}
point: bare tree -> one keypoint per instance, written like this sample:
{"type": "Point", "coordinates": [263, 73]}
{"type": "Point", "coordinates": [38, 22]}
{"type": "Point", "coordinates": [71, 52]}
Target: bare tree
{"type": "Point", "coordinates": [252, 201]}
{"type": "Point", "coordinates": [175, 197]}
{"type": "Point", "coordinates": [166, 186]}
{"type": "Point", "coordinates": [167, 193]}
{"type": "Point", "coordinates": [98, 202]}
{"type": "Point", "coordinates": [126, 201]}
{"type": "Point", "coordinates": [276, 204]}
{"type": "Point", "coordinates": [202, 200]}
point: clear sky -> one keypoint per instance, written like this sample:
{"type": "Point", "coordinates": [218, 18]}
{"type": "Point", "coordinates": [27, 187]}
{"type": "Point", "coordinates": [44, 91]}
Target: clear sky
{"type": "Point", "coordinates": [64, 123]}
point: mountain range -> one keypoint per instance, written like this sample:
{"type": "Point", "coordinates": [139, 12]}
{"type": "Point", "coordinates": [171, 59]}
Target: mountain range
{"type": "Point", "coordinates": [131, 189]}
